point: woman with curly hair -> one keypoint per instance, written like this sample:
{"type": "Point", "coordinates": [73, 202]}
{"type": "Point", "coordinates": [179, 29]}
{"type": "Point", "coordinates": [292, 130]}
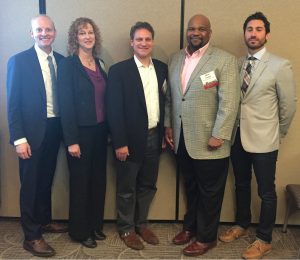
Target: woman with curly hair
{"type": "Point", "coordinates": [82, 85]}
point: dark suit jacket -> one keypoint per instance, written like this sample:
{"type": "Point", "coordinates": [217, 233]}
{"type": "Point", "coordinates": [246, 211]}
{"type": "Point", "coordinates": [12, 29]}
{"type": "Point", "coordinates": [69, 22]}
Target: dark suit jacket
{"type": "Point", "coordinates": [126, 106]}
{"type": "Point", "coordinates": [26, 97]}
{"type": "Point", "coordinates": [76, 97]}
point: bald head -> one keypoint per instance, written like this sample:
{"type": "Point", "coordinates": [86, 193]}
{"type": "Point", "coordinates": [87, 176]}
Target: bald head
{"type": "Point", "coordinates": [39, 17]}
{"type": "Point", "coordinates": [198, 32]}
{"type": "Point", "coordinates": [43, 32]}
{"type": "Point", "coordinates": [201, 19]}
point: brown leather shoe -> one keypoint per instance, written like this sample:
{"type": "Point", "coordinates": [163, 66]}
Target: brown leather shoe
{"type": "Point", "coordinates": [198, 248]}
{"type": "Point", "coordinates": [148, 236]}
{"type": "Point", "coordinates": [38, 247]}
{"type": "Point", "coordinates": [232, 234]}
{"type": "Point", "coordinates": [257, 250]}
{"type": "Point", "coordinates": [55, 228]}
{"type": "Point", "coordinates": [132, 240]}
{"type": "Point", "coordinates": [183, 237]}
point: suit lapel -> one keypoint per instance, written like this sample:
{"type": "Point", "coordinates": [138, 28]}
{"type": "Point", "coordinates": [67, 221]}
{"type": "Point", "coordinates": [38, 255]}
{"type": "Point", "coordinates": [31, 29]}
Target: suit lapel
{"type": "Point", "coordinates": [199, 66]}
{"type": "Point", "coordinates": [137, 81]}
{"type": "Point", "coordinates": [258, 71]}
{"type": "Point", "coordinates": [57, 57]}
{"type": "Point", "coordinates": [34, 63]}
{"type": "Point", "coordinates": [179, 68]}
{"type": "Point", "coordinates": [81, 69]}
{"type": "Point", "coordinates": [160, 82]}
{"type": "Point", "coordinates": [158, 74]}
{"type": "Point", "coordinates": [242, 73]}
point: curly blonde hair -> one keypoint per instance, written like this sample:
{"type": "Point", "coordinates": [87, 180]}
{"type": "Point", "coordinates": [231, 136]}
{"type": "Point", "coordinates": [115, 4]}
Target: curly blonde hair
{"type": "Point", "coordinates": [73, 45]}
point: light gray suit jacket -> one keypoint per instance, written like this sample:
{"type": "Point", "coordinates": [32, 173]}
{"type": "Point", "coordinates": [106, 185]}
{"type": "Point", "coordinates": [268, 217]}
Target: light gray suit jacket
{"type": "Point", "coordinates": [203, 112]}
{"type": "Point", "coordinates": [269, 104]}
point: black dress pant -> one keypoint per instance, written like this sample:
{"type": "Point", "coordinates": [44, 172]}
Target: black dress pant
{"type": "Point", "coordinates": [204, 187]}
{"type": "Point", "coordinates": [88, 182]}
{"type": "Point", "coordinates": [36, 176]}
{"type": "Point", "coordinates": [264, 166]}
{"type": "Point", "coordinates": [136, 187]}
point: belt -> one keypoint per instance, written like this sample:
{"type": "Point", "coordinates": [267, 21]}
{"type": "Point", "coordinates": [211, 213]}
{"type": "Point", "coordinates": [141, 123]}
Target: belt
{"type": "Point", "coordinates": [152, 131]}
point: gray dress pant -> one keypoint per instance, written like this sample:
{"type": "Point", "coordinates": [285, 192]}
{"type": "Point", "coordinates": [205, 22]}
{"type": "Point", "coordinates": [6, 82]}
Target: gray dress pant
{"type": "Point", "coordinates": [136, 186]}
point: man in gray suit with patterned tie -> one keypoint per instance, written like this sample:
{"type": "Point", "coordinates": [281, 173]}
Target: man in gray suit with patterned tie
{"type": "Point", "coordinates": [201, 109]}
{"type": "Point", "coordinates": [267, 107]}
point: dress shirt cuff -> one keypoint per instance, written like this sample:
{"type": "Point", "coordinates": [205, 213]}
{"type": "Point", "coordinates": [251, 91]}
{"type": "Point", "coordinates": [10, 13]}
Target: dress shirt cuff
{"type": "Point", "coordinates": [220, 139]}
{"type": "Point", "coordinates": [20, 141]}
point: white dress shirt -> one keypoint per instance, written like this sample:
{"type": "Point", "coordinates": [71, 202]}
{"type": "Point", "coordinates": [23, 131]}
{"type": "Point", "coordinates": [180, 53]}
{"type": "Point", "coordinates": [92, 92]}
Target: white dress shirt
{"type": "Point", "coordinates": [258, 55]}
{"type": "Point", "coordinates": [150, 86]}
{"type": "Point", "coordinates": [42, 56]}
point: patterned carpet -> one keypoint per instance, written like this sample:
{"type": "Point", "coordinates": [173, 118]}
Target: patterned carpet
{"type": "Point", "coordinates": [285, 246]}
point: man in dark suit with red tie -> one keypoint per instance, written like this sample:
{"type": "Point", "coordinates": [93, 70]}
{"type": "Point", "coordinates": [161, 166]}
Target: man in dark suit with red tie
{"type": "Point", "coordinates": [35, 131]}
{"type": "Point", "coordinates": [135, 101]}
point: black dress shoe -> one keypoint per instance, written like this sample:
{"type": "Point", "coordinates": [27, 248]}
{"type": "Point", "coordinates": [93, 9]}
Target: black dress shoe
{"type": "Point", "coordinates": [99, 235]}
{"type": "Point", "coordinates": [38, 247]}
{"type": "Point", "coordinates": [89, 242]}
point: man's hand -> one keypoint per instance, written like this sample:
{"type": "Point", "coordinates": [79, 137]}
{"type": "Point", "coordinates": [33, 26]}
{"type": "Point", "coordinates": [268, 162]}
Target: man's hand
{"type": "Point", "coordinates": [122, 153]}
{"type": "Point", "coordinates": [169, 137]}
{"type": "Point", "coordinates": [74, 150]}
{"type": "Point", "coordinates": [23, 150]}
{"type": "Point", "coordinates": [214, 143]}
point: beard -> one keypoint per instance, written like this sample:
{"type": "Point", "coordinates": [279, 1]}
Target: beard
{"type": "Point", "coordinates": [197, 46]}
{"type": "Point", "coordinates": [257, 45]}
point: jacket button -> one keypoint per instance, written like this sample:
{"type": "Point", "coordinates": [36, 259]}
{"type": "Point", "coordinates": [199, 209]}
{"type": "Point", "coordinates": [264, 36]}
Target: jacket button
{"type": "Point", "coordinates": [183, 99]}
{"type": "Point", "coordinates": [180, 116]}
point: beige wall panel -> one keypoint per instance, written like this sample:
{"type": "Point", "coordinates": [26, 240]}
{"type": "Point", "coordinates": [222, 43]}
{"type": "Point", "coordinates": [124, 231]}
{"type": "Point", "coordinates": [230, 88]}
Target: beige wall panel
{"type": "Point", "coordinates": [164, 203]}
{"type": "Point", "coordinates": [115, 18]}
{"type": "Point", "coordinates": [15, 27]}
{"type": "Point", "coordinates": [227, 18]}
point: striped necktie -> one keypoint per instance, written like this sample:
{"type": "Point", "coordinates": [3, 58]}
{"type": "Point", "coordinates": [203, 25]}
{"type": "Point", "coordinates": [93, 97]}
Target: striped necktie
{"type": "Point", "coordinates": [247, 75]}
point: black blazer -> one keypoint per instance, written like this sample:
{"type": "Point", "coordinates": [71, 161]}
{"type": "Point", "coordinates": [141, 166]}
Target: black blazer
{"type": "Point", "coordinates": [126, 106]}
{"type": "Point", "coordinates": [76, 97]}
{"type": "Point", "coordinates": [26, 98]}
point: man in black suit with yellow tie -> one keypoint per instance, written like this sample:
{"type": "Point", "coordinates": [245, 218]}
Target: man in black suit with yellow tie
{"type": "Point", "coordinates": [35, 131]}
{"type": "Point", "coordinates": [135, 101]}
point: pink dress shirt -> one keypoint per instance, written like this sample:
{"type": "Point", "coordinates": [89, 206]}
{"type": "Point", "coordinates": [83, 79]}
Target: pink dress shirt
{"type": "Point", "coordinates": [190, 63]}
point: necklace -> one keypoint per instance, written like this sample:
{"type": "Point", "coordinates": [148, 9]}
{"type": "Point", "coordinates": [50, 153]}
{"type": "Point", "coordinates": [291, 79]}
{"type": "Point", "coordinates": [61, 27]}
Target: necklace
{"type": "Point", "coordinates": [89, 61]}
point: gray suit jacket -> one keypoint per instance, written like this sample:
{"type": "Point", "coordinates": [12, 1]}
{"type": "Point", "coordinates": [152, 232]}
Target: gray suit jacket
{"type": "Point", "coordinates": [269, 104]}
{"type": "Point", "coordinates": [203, 112]}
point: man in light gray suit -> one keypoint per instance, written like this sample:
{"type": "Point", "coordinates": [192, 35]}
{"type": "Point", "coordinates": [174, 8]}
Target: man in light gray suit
{"type": "Point", "coordinates": [267, 108]}
{"type": "Point", "coordinates": [201, 109]}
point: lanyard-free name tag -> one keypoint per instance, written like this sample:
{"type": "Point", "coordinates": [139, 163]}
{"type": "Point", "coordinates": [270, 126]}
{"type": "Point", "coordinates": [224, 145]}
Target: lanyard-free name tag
{"type": "Point", "coordinates": [209, 80]}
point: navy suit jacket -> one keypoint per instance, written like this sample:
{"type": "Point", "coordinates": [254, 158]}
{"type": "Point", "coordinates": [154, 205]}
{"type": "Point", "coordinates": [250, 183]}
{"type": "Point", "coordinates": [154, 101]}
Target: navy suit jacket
{"type": "Point", "coordinates": [76, 97]}
{"type": "Point", "coordinates": [126, 106]}
{"type": "Point", "coordinates": [26, 98]}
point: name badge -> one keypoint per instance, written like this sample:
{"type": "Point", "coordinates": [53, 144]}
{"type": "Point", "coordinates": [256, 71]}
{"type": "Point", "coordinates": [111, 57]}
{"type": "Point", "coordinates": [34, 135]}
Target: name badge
{"type": "Point", "coordinates": [209, 80]}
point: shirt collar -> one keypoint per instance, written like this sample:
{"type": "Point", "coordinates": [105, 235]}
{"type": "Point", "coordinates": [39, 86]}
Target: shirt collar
{"type": "Point", "coordinates": [139, 64]}
{"type": "Point", "coordinates": [41, 53]}
{"type": "Point", "coordinates": [258, 55]}
{"type": "Point", "coordinates": [197, 53]}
